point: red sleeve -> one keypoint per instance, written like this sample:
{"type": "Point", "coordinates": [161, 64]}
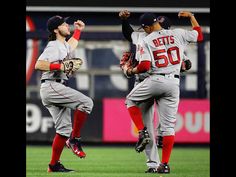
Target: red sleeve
{"type": "Point", "coordinates": [200, 35]}
{"type": "Point", "coordinates": [144, 66]}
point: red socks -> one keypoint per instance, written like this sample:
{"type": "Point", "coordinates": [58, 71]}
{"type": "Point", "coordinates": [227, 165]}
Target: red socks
{"type": "Point", "coordinates": [57, 147]}
{"type": "Point", "coordinates": [168, 142]}
{"type": "Point", "coordinates": [79, 120]}
{"type": "Point", "coordinates": [59, 141]}
{"type": "Point", "coordinates": [136, 116]}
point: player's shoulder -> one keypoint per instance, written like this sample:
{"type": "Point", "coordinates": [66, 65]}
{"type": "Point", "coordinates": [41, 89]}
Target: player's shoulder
{"type": "Point", "coordinates": [52, 43]}
{"type": "Point", "coordinates": [152, 35]}
{"type": "Point", "coordinates": [139, 33]}
{"type": "Point", "coordinates": [178, 30]}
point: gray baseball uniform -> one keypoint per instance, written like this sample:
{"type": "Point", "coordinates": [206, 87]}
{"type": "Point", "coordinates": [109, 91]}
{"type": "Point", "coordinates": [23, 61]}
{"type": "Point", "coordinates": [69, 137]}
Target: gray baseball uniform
{"type": "Point", "coordinates": [58, 98]}
{"type": "Point", "coordinates": [165, 50]}
{"type": "Point", "coordinates": [147, 107]}
{"type": "Point", "coordinates": [158, 128]}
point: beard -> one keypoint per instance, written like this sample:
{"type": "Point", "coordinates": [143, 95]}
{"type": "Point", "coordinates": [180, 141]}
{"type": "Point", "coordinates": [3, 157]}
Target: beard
{"type": "Point", "coordinates": [63, 33]}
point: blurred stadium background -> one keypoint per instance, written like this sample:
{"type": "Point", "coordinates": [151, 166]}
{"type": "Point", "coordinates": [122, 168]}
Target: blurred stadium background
{"type": "Point", "coordinates": [101, 46]}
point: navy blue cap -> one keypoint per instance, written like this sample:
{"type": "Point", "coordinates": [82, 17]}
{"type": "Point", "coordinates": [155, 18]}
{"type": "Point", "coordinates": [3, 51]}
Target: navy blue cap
{"type": "Point", "coordinates": [147, 19]}
{"type": "Point", "coordinates": [164, 22]}
{"type": "Point", "coordinates": [55, 21]}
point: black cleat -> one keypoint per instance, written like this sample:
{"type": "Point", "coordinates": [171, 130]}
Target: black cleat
{"type": "Point", "coordinates": [159, 141]}
{"type": "Point", "coordinates": [163, 168]}
{"type": "Point", "coordinates": [58, 167]}
{"type": "Point", "coordinates": [143, 140]}
{"type": "Point", "coordinates": [151, 170]}
{"type": "Point", "coordinates": [75, 145]}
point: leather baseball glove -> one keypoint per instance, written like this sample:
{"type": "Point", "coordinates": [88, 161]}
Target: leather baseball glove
{"type": "Point", "coordinates": [186, 65]}
{"type": "Point", "coordinates": [72, 65]}
{"type": "Point", "coordinates": [127, 61]}
{"type": "Point", "coordinates": [126, 57]}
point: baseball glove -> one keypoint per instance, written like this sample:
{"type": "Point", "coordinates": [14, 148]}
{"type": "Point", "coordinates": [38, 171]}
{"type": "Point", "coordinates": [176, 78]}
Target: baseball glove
{"type": "Point", "coordinates": [127, 61]}
{"type": "Point", "coordinates": [72, 65]}
{"type": "Point", "coordinates": [125, 58]}
{"type": "Point", "coordinates": [186, 65]}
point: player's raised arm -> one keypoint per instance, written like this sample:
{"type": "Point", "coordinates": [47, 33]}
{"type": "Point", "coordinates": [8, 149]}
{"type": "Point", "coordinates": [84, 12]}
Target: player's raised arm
{"type": "Point", "coordinates": [78, 27]}
{"type": "Point", "coordinates": [194, 23]}
{"type": "Point", "coordinates": [127, 30]}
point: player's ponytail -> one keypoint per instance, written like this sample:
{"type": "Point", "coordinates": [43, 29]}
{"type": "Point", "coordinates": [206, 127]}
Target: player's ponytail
{"type": "Point", "coordinates": [52, 37]}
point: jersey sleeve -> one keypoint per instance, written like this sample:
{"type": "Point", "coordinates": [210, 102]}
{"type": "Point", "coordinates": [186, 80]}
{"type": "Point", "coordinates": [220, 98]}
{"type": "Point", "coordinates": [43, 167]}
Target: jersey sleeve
{"type": "Point", "coordinates": [134, 37]}
{"type": "Point", "coordinates": [187, 36]}
{"type": "Point", "coordinates": [50, 53]}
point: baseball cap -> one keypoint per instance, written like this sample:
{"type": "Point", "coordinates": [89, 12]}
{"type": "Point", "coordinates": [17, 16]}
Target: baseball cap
{"type": "Point", "coordinates": [164, 22]}
{"type": "Point", "coordinates": [147, 19]}
{"type": "Point", "coordinates": [55, 21]}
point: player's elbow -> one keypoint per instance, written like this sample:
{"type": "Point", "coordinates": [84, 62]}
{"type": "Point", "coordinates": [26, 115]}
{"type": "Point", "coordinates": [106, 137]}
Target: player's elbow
{"type": "Point", "coordinates": [42, 65]}
{"type": "Point", "coordinates": [200, 34]}
{"type": "Point", "coordinates": [37, 66]}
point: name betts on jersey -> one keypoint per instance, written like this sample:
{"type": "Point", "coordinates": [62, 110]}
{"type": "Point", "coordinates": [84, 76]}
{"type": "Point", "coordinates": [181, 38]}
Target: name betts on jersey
{"type": "Point", "coordinates": [164, 40]}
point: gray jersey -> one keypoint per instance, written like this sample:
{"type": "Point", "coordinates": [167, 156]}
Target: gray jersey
{"type": "Point", "coordinates": [165, 49]}
{"type": "Point", "coordinates": [55, 52]}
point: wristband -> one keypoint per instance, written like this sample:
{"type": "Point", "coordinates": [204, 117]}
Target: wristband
{"type": "Point", "coordinates": [55, 66]}
{"type": "Point", "coordinates": [76, 34]}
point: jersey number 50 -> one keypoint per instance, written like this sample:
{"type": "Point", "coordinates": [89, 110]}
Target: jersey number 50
{"type": "Point", "coordinates": [163, 57]}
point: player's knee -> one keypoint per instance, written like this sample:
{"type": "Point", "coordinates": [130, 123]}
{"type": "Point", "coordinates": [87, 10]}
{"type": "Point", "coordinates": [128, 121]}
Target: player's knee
{"type": "Point", "coordinates": [64, 131]}
{"type": "Point", "coordinates": [169, 132]}
{"type": "Point", "coordinates": [90, 105]}
{"type": "Point", "coordinates": [129, 103]}
{"type": "Point", "coordinates": [86, 106]}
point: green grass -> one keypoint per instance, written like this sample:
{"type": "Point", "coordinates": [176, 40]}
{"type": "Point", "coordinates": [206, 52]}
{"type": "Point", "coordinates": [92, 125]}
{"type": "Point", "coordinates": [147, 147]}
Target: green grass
{"type": "Point", "coordinates": [117, 162]}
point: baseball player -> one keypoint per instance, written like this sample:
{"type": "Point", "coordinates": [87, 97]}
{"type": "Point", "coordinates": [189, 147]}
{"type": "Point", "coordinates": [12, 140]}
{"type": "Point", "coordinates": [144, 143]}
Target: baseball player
{"type": "Point", "coordinates": [185, 66]}
{"type": "Point", "coordinates": [147, 108]}
{"type": "Point", "coordinates": [57, 66]}
{"type": "Point", "coordinates": [161, 53]}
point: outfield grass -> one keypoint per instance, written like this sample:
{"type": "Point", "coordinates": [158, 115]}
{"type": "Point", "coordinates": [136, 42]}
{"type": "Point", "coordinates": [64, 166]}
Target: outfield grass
{"type": "Point", "coordinates": [117, 162]}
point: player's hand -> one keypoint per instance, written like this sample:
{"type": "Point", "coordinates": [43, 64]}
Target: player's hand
{"type": "Point", "coordinates": [124, 14]}
{"type": "Point", "coordinates": [185, 14]}
{"type": "Point", "coordinates": [79, 25]}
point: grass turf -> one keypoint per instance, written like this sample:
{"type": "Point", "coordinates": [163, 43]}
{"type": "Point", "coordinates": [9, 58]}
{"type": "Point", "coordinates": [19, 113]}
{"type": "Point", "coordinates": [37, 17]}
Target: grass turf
{"type": "Point", "coordinates": [117, 162]}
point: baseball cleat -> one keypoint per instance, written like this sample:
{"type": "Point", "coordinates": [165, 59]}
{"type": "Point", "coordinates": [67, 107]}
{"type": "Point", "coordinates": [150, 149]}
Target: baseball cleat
{"type": "Point", "coordinates": [75, 145]}
{"type": "Point", "coordinates": [58, 167]}
{"type": "Point", "coordinates": [163, 168]}
{"type": "Point", "coordinates": [151, 170]}
{"type": "Point", "coordinates": [143, 140]}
